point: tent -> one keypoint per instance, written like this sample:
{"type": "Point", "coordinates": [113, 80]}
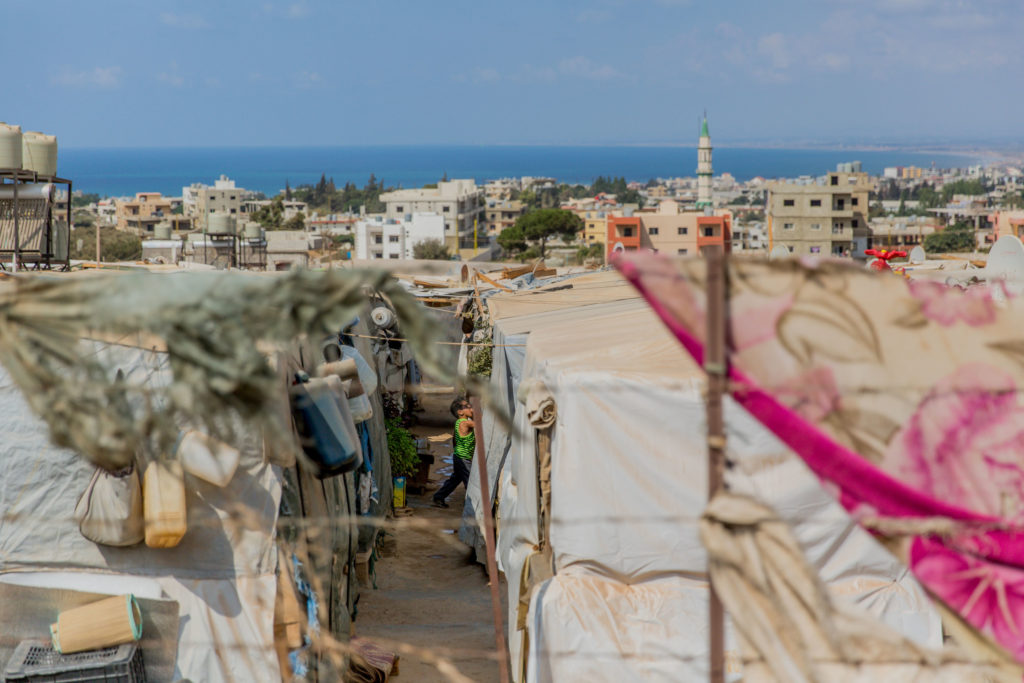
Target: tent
{"type": "Point", "coordinates": [627, 594]}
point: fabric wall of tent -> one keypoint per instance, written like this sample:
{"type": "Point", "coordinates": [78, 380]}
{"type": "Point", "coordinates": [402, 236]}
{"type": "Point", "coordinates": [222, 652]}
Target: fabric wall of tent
{"type": "Point", "coordinates": [268, 559]}
{"type": "Point", "coordinates": [222, 575]}
{"type": "Point", "coordinates": [606, 573]}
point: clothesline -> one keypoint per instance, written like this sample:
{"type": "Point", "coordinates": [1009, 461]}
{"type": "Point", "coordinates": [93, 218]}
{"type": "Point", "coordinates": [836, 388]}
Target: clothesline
{"type": "Point", "coordinates": [377, 336]}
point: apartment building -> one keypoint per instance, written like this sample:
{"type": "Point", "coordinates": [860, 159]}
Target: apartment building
{"type": "Point", "coordinates": [223, 196]}
{"type": "Point", "coordinates": [140, 214]}
{"type": "Point", "coordinates": [502, 214]}
{"type": "Point", "coordinates": [391, 238]}
{"type": "Point", "coordinates": [458, 202]}
{"type": "Point", "coordinates": [824, 216]}
{"type": "Point", "coordinates": [670, 230]}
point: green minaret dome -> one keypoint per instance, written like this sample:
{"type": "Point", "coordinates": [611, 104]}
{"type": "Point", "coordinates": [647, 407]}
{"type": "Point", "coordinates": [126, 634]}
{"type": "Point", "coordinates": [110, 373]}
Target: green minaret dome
{"type": "Point", "coordinates": [704, 128]}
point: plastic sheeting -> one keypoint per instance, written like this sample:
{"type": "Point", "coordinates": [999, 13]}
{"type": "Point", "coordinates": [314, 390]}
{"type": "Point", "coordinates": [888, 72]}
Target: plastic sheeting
{"type": "Point", "coordinates": [223, 572]}
{"type": "Point", "coordinates": [629, 482]}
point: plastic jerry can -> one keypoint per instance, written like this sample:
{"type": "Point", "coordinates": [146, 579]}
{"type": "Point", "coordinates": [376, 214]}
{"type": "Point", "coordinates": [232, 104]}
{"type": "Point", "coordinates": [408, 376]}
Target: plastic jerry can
{"type": "Point", "coordinates": [163, 503]}
{"type": "Point", "coordinates": [399, 492]}
{"type": "Point", "coordinates": [208, 458]}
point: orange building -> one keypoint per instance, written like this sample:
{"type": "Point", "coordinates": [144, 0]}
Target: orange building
{"type": "Point", "coordinates": [669, 230]}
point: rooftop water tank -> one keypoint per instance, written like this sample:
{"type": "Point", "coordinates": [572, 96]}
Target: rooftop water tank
{"type": "Point", "coordinates": [220, 224]}
{"type": "Point", "coordinates": [10, 146]}
{"type": "Point", "coordinates": [162, 231]}
{"type": "Point", "coordinates": [39, 153]}
{"type": "Point", "coordinates": [252, 231]}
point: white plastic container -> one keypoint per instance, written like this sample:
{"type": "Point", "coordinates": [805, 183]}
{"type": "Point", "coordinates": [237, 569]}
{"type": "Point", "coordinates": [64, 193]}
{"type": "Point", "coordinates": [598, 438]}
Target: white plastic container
{"type": "Point", "coordinates": [39, 153]}
{"type": "Point", "coordinates": [10, 146]}
{"type": "Point", "coordinates": [163, 503]}
{"type": "Point", "coordinates": [207, 458]}
{"type": "Point", "coordinates": [360, 405]}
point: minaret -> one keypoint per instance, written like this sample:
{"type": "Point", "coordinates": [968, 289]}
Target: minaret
{"type": "Point", "coordinates": [704, 200]}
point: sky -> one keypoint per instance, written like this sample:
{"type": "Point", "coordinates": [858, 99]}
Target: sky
{"type": "Point", "coordinates": [124, 73]}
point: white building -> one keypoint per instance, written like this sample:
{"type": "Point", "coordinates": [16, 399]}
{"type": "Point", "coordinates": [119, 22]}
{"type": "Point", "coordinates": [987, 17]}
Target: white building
{"type": "Point", "coordinates": [381, 237]}
{"type": "Point", "coordinates": [459, 202]}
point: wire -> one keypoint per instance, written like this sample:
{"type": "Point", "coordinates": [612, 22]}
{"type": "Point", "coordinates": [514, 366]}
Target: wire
{"type": "Point", "coordinates": [375, 336]}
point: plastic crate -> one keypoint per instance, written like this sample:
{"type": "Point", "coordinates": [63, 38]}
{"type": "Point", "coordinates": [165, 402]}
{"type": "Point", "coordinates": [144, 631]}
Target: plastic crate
{"type": "Point", "coordinates": [35, 661]}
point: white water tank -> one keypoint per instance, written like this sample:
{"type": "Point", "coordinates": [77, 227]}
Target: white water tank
{"type": "Point", "coordinates": [10, 146]}
{"type": "Point", "coordinates": [39, 153]}
{"type": "Point", "coordinates": [162, 231]}
{"type": "Point", "coordinates": [220, 224]}
{"type": "Point", "coordinates": [253, 230]}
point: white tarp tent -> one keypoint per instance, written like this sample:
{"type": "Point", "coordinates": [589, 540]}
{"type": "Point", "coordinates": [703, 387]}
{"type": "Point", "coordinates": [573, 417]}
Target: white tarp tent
{"type": "Point", "coordinates": [222, 574]}
{"type": "Point", "coordinates": [629, 476]}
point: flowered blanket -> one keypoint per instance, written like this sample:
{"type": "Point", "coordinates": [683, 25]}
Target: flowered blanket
{"type": "Point", "coordinates": [903, 396]}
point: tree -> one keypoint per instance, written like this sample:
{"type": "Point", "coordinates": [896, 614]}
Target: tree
{"type": "Point", "coordinates": [592, 250]}
{"type": "Point", "coordinates": [270, 216]}
{"type": "Point", "coordinates": [115, 245]}
{"type": "Point", "coordinates": [287, 190]}
{"type": "Point", "coordinates": [957, 237]}
{"type": "Point", "coordinates": [85, 199]}
{"type": "Point", "coordinates": [83, 219]}
{"type": "Point", "coordinates": [540, 226]}
{"type": "Point", "coordinates": [430, 250]}
{"type": "Point", "coordinates": [296, 222]}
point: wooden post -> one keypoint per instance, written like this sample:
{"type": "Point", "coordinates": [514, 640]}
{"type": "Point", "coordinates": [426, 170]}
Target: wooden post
{"type": "Point", "coordinates": [489, 540]}
{"type": "Point", "coordinates": [715, 367]}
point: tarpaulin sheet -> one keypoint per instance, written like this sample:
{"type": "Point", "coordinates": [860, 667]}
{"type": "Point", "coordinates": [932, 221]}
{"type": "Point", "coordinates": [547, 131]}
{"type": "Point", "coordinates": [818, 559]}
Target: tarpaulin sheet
{"type": "Point", "coordinates": [903, 395]}
{"type": "Point", "coordinates": [222, 572]}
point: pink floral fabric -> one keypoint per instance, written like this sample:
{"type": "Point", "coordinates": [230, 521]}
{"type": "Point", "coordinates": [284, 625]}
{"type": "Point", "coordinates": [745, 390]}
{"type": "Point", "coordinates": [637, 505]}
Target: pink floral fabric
{"type": "Point", "coordinates": [948, 306]}
{"type": "Point", "coordinates": [903, 396]}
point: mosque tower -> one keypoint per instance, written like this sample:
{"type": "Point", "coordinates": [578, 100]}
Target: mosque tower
{"type": "Point", "coordinates": [704, 200]}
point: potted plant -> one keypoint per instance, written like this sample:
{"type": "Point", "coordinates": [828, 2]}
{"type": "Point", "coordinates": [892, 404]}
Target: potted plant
{"type": "Point", "coordinates": [404, 459]}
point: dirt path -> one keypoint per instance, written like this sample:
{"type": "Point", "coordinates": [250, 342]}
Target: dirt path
{"type": "Point", "coordinates": [431, 594]}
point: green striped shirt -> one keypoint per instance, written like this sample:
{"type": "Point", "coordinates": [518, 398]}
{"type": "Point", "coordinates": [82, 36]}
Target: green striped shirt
{"type": "Point", "coordinates": [464, 445]}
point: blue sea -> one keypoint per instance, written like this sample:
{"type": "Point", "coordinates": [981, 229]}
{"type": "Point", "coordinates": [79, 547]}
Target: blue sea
{"type": "Point", "coordinates": [120, 172]}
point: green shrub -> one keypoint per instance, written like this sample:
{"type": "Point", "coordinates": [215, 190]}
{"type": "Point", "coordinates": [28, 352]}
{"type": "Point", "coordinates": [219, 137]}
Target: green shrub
{"type": "Point", "coordinates": [402, 448]}
{"type": "Point", "coordinates": [480, 358]}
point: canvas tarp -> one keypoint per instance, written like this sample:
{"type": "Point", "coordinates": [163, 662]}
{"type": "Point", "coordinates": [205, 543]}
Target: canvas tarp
{"type": "Point", "coordinates": [223, 572]}
{"type": "Point", "coordinates": [628, 485]}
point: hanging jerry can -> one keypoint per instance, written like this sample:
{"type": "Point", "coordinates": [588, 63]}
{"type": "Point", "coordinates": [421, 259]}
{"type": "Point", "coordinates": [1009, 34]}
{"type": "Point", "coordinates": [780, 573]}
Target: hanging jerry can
{"type": "Point", "coordinates": [163, 503]}
{"type": "Point", "coordinates": [327, 442]}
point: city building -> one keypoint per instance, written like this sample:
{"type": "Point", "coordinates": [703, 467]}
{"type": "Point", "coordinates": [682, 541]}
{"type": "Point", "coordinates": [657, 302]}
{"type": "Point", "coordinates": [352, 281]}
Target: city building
{"type": "Point", "coordinates": [502, 214]}
{"type": "Point", "coordinates": [458, 202]}
{"type": "Point", "coordinates": [898, 232]}
{"type": "Point", "coordinates": [670, 230]}
{"type": "Point", "coordinates": [749, 237]}
{"type": "Point", "coordinates": [820, 217]}
{"type": "Point", "coordinates": [1008, 223]}
{"type": "Point", "coordinates": [224, 196]}
{"type": "Point", "coordinates": [291, 207]}
{"type": "Point", "coordinates": [142, 213]}
{"type": "Point", "coordinates": [379, 237]}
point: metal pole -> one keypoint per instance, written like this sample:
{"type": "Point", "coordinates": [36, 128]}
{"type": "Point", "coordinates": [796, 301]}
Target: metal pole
{"type": "Point", "coordinates": [715, 367]}
{"type": "Point", "coordinates": [492, 565]}
{"type": "Point", "coordinates": [14, 258]}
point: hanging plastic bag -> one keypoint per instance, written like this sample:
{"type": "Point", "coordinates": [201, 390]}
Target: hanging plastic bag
{"type": "Point", "coordinates": [110, 510]}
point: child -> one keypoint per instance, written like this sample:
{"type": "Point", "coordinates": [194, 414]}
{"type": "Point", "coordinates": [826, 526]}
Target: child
{"type": "Point", "coordinates": [463, 446]}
